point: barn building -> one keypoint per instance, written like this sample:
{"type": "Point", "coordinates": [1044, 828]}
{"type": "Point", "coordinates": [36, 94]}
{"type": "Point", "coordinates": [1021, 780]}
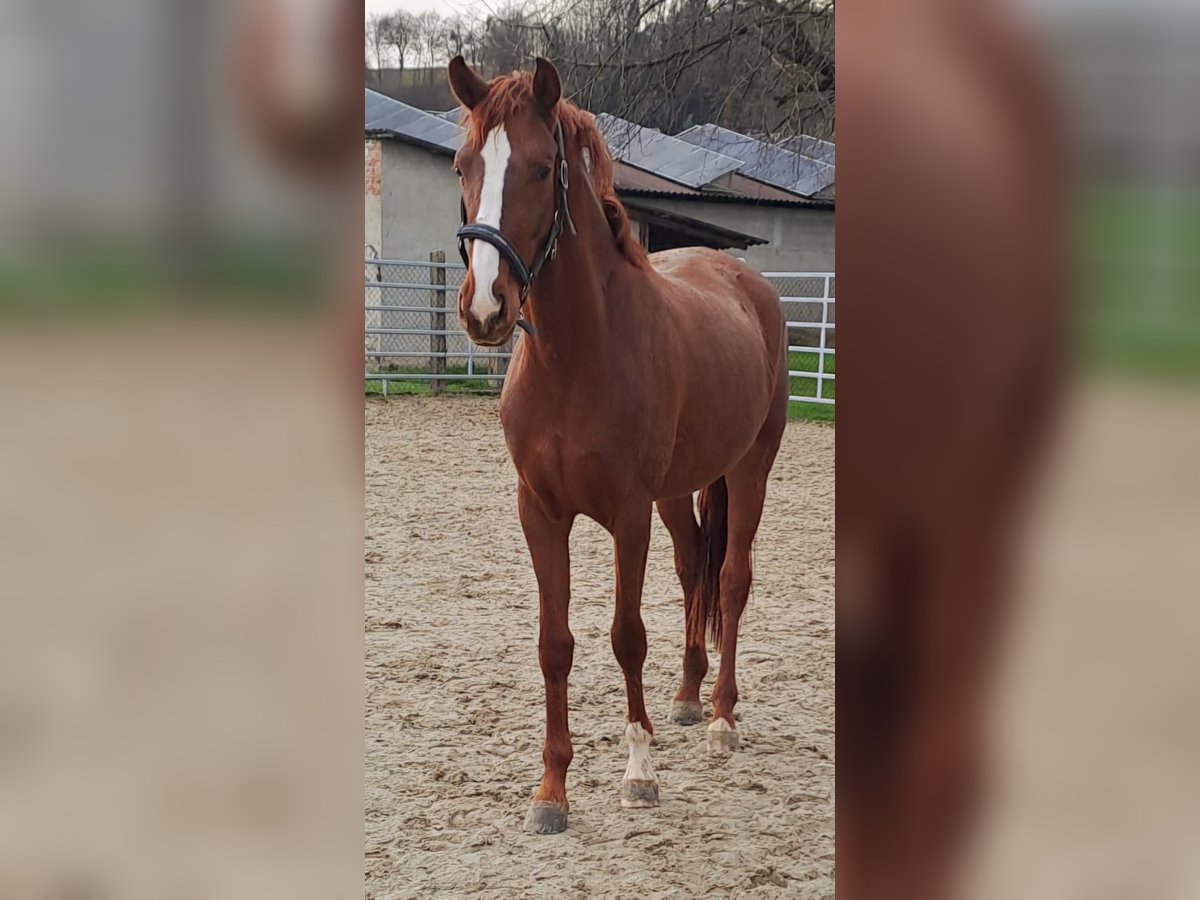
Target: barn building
{"type": "Point", "coordinates": [771, 204]}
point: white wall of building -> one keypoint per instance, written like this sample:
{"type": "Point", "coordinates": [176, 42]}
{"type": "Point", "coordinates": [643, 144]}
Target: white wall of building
{"type": "Point", "coordinates": [419, 203]}
{"type": "Point", "coordinates": [800, 239]}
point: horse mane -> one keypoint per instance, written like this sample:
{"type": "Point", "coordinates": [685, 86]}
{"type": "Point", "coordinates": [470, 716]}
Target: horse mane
{"type": "Point", "coordinates": [507, 94]}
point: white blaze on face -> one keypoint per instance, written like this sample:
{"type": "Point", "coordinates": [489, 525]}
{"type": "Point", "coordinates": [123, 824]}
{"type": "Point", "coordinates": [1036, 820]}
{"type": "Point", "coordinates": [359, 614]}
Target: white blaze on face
{"type": "Point", "coordinates": [485, 259]}
{"type": "Point", "coordinates": [639, 768]}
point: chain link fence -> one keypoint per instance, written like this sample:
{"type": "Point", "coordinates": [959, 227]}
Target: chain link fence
{"type": "Point", "coordinates": [412, 330]}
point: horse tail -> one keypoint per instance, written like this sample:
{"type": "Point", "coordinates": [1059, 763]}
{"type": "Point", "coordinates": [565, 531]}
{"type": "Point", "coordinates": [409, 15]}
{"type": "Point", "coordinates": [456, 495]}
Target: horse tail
{"type": "Point", "coordinates": [714, 533]}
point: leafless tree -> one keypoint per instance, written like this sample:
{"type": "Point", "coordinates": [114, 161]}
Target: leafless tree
{"type": "Point", "coordinates": [429, 32]}
{"type": "Point", "coordinates": [760, 66]}
{"type": "Point", "coordinates": [397, 32]}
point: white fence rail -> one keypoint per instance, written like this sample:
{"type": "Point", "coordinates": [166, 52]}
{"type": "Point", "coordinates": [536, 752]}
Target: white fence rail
{"type": "Point", "coordinates": [808, 302]}
{"type": "Point", "coordinates": [412, 331]}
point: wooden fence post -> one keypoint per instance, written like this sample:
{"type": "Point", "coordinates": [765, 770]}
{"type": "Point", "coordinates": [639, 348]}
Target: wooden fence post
{"type": "Point", "coordinates": [437, 342]}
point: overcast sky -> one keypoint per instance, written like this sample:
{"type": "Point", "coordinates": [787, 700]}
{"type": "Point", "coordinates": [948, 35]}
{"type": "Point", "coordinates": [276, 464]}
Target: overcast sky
{"type": "Point", "coordinates": [445, 7]}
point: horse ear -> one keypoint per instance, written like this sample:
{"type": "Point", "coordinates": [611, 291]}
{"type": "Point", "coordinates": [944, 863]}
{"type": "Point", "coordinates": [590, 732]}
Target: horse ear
{"type": "Point", "coordinates": [468, 87]}
{"type": "Point", "coordinates": [547, 86]}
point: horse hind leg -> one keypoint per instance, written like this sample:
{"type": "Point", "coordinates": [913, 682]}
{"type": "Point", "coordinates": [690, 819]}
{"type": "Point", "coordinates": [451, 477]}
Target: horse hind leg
{"type": "Point", "coordinates": [746, 484]}
{"type": "Point", "coordinates": [680, 520]}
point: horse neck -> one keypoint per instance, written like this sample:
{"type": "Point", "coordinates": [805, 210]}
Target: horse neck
{"type": "Point", "coordinates": [567, 303]}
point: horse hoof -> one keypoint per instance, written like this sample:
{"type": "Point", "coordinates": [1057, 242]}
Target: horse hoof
{"type": "Point", "coordinates": [546, 818]}
{"type": "Point", "coordinates": [722, 738]}
{"type": "Point", "coordinates": [639, 794]}
{"type": "Point", "coordinates": [686, 712]}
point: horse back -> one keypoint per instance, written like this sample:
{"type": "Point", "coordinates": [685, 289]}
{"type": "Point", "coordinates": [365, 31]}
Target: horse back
{"type": "Point", "coordinates": [728, 314]}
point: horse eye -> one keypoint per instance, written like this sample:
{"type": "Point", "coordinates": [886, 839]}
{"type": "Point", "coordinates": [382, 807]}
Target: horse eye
{"type": "Point", "coordinates": [543, 173]}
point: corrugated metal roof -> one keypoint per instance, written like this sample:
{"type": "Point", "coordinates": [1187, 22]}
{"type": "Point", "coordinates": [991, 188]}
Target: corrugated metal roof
{"type": "Point", "coordinates": [450, 115]}
{"type": "Point", "coordinates": [711, 234]}
{"type": "Point", "coordinates": [763, 161]}
{"type": "Point", "coordinates": [627, 177]}
{"type": "Point", "coordinates": [748, 187]}
{"type": "Point", "coordinates": [387, 116]}
{"type": "Point", "coordinates": [679, 161]}
{"type": "Point", "coordinates": [795, 201]}
{"type": "Point", "coordinates": [631, 181]}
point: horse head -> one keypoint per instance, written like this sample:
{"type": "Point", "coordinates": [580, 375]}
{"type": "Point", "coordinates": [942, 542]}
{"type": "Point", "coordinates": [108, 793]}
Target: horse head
{"type": "Point", "coordinates": [513, 173]}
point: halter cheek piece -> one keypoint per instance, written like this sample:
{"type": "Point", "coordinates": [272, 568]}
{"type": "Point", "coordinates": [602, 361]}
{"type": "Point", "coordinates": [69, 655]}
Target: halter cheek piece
{"type": "Point", "coordinates": [489, 235]}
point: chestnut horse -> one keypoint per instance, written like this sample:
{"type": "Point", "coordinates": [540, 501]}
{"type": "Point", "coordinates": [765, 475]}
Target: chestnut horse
{"type": "Point", "coordinates": [645, 379]}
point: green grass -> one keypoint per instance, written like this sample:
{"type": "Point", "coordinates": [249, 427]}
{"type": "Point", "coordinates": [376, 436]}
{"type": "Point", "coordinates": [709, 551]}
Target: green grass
{"type": "Point", "coordinates": [226, 273]}
{"type": "Point", "coordinates": [1139, 282]}
{"type": "Point", "coordinates": [804, 361]}
{"type": "Point", "coordinates": [424, 388]}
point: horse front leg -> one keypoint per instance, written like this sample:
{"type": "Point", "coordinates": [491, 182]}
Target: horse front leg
{"type": "Point", "coordinates": [680, 520]}
{"type": "Point", "coordinates": [548, 540]}
{"type": "Point", "coordinates": [631, 541]}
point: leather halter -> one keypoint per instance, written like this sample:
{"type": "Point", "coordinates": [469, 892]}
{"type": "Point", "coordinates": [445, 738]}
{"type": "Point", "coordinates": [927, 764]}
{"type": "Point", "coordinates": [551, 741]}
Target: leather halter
{"type": "Point", "coordinates": [491, 235]}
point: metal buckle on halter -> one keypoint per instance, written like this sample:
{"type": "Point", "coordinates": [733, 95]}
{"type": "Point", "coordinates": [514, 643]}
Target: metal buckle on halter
{"type": "Point", "coordinates": [562, 176]}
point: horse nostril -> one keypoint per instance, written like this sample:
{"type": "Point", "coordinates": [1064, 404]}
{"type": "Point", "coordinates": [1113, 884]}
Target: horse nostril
{"type": "Point", "coordinates": [502, 299]}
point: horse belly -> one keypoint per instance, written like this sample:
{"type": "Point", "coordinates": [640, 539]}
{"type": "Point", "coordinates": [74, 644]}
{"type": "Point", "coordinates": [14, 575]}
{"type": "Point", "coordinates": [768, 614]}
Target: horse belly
{"type": "Point", "coordinates": [719, 423]}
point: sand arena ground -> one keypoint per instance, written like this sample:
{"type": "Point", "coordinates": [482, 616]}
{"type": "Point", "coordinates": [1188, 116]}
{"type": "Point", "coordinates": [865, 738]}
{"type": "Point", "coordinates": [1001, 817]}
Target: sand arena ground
{"type": "Point", "coordinates": [455, 704]}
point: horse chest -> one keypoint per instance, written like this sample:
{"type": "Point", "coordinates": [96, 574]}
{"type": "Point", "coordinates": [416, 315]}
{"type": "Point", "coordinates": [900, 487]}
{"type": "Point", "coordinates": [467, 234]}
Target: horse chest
{"type": "Point", "coordinates": [582, 470]}
{"type": "Point", "coordinates": [565, 466]}
{"type": "Point", "coordinates": [585, 447]}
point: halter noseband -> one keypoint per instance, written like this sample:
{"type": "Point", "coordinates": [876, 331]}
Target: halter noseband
{"type": "Point", "coordinates": [490, 235]}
